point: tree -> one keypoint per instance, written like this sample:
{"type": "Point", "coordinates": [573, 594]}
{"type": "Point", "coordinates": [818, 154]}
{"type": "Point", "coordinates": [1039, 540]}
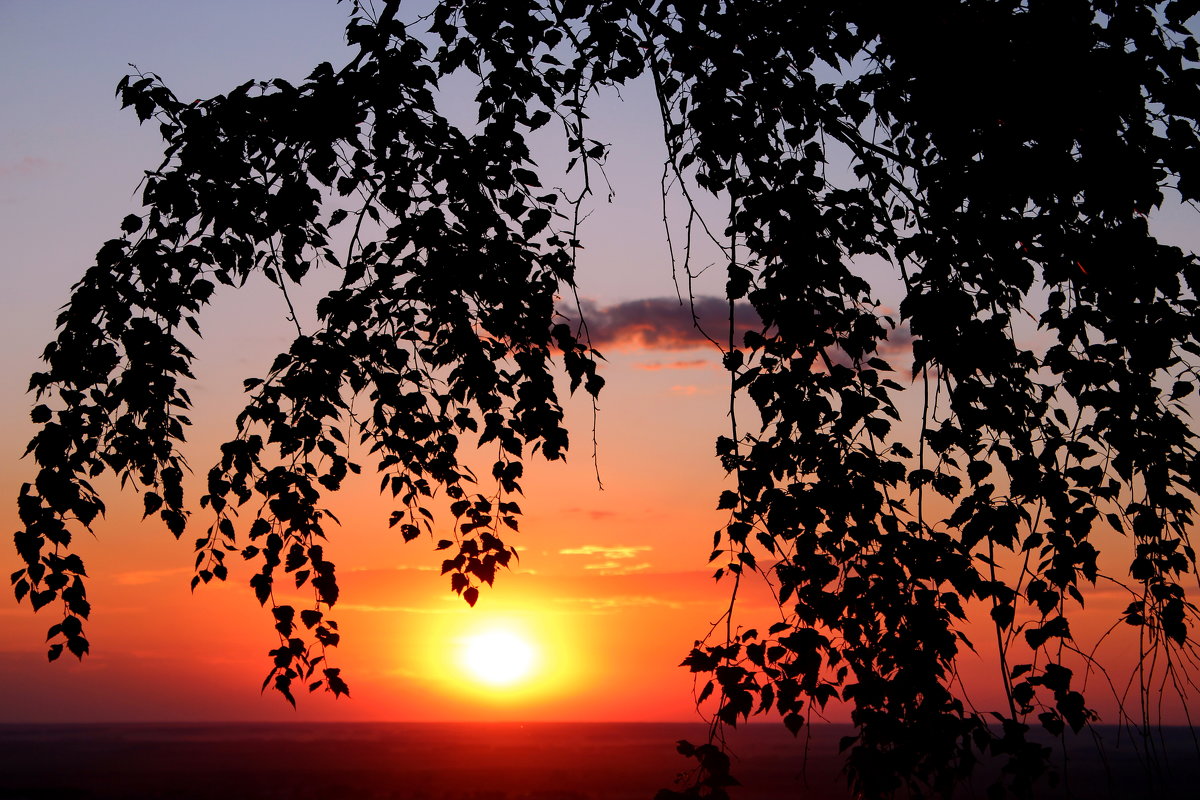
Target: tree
{"type": "Point", "coordinates": [1001, 155]}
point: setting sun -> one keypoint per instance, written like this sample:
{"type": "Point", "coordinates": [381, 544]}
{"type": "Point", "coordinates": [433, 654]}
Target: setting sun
{"type": "Point", "coordinates": [498, 657]}
{"type": "Point", "coordinates": [510, 662]}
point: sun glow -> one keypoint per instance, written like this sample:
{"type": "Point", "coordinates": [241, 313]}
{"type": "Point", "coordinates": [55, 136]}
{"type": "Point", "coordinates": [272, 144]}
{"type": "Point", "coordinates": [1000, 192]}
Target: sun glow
{"type": "Point", "coordinates": [517, 661]}
{"type": "Point", "coordinates": [498, 657]}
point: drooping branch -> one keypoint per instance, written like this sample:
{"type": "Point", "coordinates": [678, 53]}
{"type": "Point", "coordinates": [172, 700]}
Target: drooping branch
{"type": "Point", "coordinates": [1054, 336]}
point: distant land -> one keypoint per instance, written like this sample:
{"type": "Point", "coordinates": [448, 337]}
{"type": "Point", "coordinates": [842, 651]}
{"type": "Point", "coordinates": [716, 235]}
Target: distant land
{"type": "Point", "coordinates": [490, 761]}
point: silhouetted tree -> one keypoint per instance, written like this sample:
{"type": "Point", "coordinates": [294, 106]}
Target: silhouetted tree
{"type": "Point", "coordinates": [1001, 155]}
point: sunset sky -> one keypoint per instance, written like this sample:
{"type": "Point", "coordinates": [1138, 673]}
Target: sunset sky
{"type": "Point", "coordinates": [613, 585]}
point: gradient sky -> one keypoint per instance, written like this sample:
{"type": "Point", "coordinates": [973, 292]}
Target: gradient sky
{"type": "Point", "coordinates": [613, 584]}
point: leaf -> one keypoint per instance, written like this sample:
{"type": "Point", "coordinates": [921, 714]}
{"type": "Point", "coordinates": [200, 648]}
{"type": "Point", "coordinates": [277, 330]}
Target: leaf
{"type": "Point", "coordinates": [77, 645]}
{"type": "Point", "coordinates": [152, 503]}
{"type": "Point", "coordinates": [526, 177]}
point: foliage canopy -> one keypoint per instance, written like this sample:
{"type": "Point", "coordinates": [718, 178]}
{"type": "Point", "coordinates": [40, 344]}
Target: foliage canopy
{"type": "Point", "coordinates": [1001, 155]}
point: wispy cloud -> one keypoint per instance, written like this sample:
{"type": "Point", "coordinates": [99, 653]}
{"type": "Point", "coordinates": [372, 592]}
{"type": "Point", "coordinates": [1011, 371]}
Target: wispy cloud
{"type": "Point", "coordinates": [655, 366]}
{"type": "Point", "coordinates": [618, 601]}
{"type": "Point", "coordinates": [591, 513]}
{"type": "Point", "coordinates": [617, 567]}
{"type": "Point", "coordinates": [144, 576]}
{"type": "Point", "coordinates": [387, 609]}
{"type": "Point", "coordinates": [689, 390]}
{"type": "Point", "coordinates": [397, 568]}
{"type": "Point", "coordinates": [607, 551]}
{"type": "Point", "coordinates": [23, 167]}
{"type": "Point", "coordinates": [611, 559]}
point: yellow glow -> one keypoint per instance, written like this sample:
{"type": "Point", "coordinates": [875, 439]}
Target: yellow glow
{"type": "Point", "coordinates": [514, 660]}
{"type": "Point", "coordinates": [498, 657]}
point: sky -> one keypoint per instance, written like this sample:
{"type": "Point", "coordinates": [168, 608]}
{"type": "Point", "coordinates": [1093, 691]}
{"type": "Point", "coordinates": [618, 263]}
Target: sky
{"type": "Point", "coordinates": [613, 584]}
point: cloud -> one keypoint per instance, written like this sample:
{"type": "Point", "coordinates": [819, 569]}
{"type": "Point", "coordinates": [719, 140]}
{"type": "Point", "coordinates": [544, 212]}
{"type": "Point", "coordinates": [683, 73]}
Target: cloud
{"type": "Point", "coordinates": [618, 601]}
{"type": "Point", "coordinates": [655, 366]}
{"type": "Point", "coordinates": [398, 568]}
{"type": "Point", "coordinates": [144, 576]}
{"type": "Point", "coordinates": [591, 513]}
{"type": "Point", "coordinates": [668, 324]}
{"type": "Point", "coordinates": [613, 560]}
{"type": "Point", "coordinates": [689, 390]}
{"type": "Point", "coordinates": [617, 567]}
{"type": "Point", "coordinates": [899, 339]}
{"type": "Point", "coordinates": [613, 552]}
{"type": "Point", "coordinates": [662, 323]}
{"type": "Point", "coordinates": [386, 609]}
{"type": "Point", "coordinates": [23, 168]}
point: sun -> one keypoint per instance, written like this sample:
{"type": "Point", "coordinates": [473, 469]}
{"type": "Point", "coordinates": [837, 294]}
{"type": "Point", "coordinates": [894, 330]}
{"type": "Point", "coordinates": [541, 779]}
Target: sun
{"type": "Point", "coordinates": [498, 657]}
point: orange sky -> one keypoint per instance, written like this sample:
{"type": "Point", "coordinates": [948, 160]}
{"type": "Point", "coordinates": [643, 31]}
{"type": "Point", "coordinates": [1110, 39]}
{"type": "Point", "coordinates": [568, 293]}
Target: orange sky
{"type": "Point", "coordinates": [612, 586]}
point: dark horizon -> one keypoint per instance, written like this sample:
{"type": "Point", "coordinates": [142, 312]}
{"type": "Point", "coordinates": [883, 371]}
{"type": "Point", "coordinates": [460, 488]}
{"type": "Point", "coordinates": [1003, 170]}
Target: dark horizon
{"type": "Point", "coordinates": [492, 760]}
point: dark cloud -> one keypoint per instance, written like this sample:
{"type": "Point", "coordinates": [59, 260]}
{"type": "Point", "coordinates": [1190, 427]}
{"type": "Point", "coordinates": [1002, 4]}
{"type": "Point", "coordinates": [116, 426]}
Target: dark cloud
{"type": "Point", "coordinates": [663, 323]}
{"type": "Point", "coordinates": [899, 341]}
{"type": "Point", "coordinates": [666, 323]}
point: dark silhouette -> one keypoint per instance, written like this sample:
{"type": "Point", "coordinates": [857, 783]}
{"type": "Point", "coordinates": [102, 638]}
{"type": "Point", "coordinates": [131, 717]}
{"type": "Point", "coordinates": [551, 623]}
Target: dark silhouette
{"type": "Point", "coordinates": [1002, 155]}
